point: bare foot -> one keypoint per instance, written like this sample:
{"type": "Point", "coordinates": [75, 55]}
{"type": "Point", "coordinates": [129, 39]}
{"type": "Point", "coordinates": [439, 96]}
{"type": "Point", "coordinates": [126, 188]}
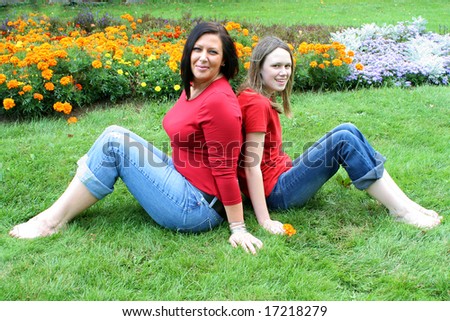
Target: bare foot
{"type": "Point", "coordinates": [35, 227]}
{"type": "Point", "coordinates": [419, 217]}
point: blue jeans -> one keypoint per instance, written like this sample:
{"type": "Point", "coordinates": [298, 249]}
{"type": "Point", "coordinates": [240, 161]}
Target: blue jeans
{"type": "Point", "coordinates": [344, 146]}
{"type": "Point", "coordinates": [150, 176]}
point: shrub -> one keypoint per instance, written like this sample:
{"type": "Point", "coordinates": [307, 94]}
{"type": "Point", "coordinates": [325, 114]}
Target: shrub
{"type": "Point", "coordinates": [403, 54]}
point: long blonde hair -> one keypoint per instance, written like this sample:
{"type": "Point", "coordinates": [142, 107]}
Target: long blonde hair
{"type": "Point", "coordinates": [254, 79]}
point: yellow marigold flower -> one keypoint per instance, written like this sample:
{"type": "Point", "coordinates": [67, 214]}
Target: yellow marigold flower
{"type": "Point", "coordinates": [120, 72]}
{"type": "Point", "coordinates": [247, 65]}
{"type": "Point", "coordinates": [289, 229]}
{"type": "Point", "coordinates": [350, 53]}
{"type": "Point", "coordinates": [72, 120]}
{"type": "Point", "coordinates": [337, 62]}
{"type": "Point", "coordinates": [38, 96]}
{"type": "Point", "coordinates": [177, 87]}
{"type": "Point", "coordinates": [157, 89]}
{"type": "Point", "coordinates": [66, 80]}
{"type": "Point", "coordinates": [14, 60]}
{"type": "Point", "coordinates": [8, 103]}
{"type": "Point", "coordinates": [255, 38]}
{"type": "Point", "coordinates": [49, 86]}
{"type": "Point", "coordinates": [2, 78]}
{"type": "Point", "coordinates": [143, 84]}
{"type": "Point", "coordinates": [27, 88]}
{"type": "Point", "coordinates": [245, 32]}
{"type": "Point", "coordinates": [313, 64]}
{"type": "Point", "coordinates": [97, 64]}
{"type": "Point", "coordinates": [47, 74]}
{"type": "Point", "coordinates": [359, 66]}
{"type": "Point", "coordinates": [12, 84]}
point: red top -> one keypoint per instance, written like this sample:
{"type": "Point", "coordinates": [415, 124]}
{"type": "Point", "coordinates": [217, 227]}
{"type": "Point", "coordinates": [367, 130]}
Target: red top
{"type": "Point", "coordinates": [205, 135]}
{"type": "Point", "coordinates": [259, 116]}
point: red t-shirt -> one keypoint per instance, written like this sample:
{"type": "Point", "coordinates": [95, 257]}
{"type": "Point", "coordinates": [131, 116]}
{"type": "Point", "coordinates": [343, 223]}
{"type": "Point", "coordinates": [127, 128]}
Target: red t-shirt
{"type": "Point", "coordinates": [259, 116]}
{"type": "Point", "coordinates": [205, 135]}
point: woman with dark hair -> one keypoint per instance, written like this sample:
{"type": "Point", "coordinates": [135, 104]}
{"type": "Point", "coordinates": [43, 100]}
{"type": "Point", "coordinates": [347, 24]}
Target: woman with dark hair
{"type": "Point", "coordinates": [194, 190]}
{"type": "Point", "coordinates": [273, 181]}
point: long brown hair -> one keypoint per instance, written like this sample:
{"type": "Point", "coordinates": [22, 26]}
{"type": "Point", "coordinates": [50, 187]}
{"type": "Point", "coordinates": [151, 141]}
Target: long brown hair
{"type": "Point", "coordinates": [254, 79]}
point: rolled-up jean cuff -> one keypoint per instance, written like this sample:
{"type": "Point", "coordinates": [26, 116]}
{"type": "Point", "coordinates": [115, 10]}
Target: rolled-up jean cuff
{"type": "Point", "coordinates": [374, 174]}
{"type": "Point", "coordinates": [92, 183]}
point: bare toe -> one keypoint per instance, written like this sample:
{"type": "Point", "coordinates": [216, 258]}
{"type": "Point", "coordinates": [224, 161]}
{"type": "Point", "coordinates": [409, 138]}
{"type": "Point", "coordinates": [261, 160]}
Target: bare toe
{"type": "Point", "coordinates": [419, 219]}
{"type": "Point", "coordinates": [32, 229]}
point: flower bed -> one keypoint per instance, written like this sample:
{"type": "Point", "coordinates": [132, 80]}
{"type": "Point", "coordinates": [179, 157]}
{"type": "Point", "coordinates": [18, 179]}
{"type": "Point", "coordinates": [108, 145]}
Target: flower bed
{"type": "Point", "coordinates": [403, 54]}
{"type": "Point", "coordinates": [49, 66]}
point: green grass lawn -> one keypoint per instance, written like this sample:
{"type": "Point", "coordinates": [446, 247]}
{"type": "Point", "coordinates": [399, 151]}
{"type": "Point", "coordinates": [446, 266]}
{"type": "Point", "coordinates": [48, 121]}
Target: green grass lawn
{"type": "Point", "coordinates": [347, 246]}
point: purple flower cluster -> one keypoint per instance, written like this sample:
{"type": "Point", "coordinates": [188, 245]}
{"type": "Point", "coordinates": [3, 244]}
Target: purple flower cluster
{"type": "Point", "coordinates": [402, 55]}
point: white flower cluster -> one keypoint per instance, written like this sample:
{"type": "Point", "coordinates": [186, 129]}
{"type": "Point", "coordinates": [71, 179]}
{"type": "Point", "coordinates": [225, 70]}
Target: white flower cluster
{"type": "Point", "coordinates": [404, 54]}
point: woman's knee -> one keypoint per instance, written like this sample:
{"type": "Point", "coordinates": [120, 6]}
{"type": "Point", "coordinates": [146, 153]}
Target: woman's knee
{"type": "Point", "coordinates": [348, 127]}
{"type": "Point", "coordinates": [114, 129]}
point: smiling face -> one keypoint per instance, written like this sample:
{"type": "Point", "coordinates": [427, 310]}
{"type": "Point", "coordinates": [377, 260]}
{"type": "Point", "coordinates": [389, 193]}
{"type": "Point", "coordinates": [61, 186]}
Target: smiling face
{"type": "Point", "coordinates": [206, 58]}
{"type": "Point", "coordinates": [276, 70]}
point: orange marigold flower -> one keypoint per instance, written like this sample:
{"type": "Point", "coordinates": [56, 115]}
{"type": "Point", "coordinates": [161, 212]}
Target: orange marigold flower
{"type": "Point", "coordinates": [97, 64]}
{"type": "Point", "coordinates": [247, 65]}
{"type": "Point", "coordinates": [347, 60]}
{"type": "Point", "coordinates": [321, 66]}
{"type": "Point", "coordinates": [359, 66]}
{"type": "Point", "coordinates": [78, 86]}
{"type": "Point", "coordinates": [27, 88]}
{"type": "Point", "coordinates": [289, 229]}
{"type": "Point", "coordinates": [2, 78]}
{"type": "Point", "coordinates": [72, 120]}
{"type": "Point", "coordinates": [42, 65]}
{"type": "Point", "coordinates": [8, 103]}
{"type": "Point", "coordinates": [47, 74]}
{"type": "Point", "coordinates": [65, 108]}
{"type": "Point", "coordinates": [66, 80]}
{"type": "Point", "coordinates": [38, 96]}
{"type": "Point", "coordinates": [49, 86]}
{"type": "Point", "coordinates": [12, 84]}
